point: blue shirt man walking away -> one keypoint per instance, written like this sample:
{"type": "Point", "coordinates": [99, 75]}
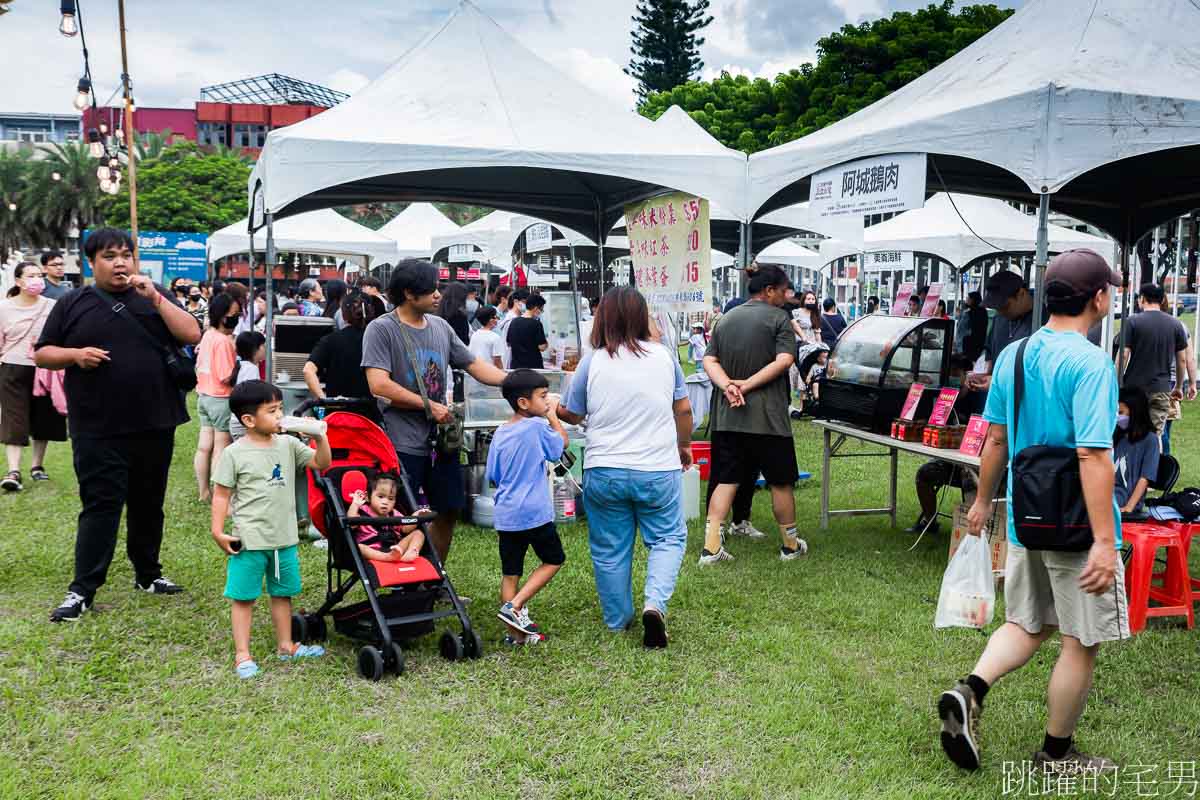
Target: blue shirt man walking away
{"type": "Point", "coordinates": [1069, 400]}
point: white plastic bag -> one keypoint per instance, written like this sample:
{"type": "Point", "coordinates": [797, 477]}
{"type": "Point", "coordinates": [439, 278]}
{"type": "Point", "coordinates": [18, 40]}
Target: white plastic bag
{"type": "Point", "coordinates": [968, 596]}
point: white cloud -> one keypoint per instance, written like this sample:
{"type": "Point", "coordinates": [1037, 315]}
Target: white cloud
{"type": "Point", "coordinates": [347, 80]}
{"type": "Point", "coordinates": [858, 10]}
{"type": "Point", "coordinates": [600, 73]}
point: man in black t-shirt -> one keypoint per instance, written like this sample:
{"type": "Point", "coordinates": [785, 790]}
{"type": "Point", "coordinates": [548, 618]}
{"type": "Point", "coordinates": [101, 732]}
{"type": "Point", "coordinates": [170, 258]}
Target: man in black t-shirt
{"type": "Point", "coordinates": [122, 407]}
{"type": "Point", "coordinates": [527, 337]}
{"type": "Point", "coordinates": [1155, 347]}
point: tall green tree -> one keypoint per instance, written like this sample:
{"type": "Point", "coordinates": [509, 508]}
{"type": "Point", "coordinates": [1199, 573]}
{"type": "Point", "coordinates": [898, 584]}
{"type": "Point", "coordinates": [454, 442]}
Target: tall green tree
{"type": "Point", "coordinates": [855, 67]}
{"type": "Point", "coordinates": [184, 189]}
{"type": "Point", "coordinates": [63, 193]}
{"type": "Point", "coordinates": [14, 178]}
{"type": "Point", "coordinates": [666, 44]}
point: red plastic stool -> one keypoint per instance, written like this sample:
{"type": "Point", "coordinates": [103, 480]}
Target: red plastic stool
{"type": "Point", "coordinates": [1175, 595]}
{"type": "Point", "coordinates": [1185, 530]}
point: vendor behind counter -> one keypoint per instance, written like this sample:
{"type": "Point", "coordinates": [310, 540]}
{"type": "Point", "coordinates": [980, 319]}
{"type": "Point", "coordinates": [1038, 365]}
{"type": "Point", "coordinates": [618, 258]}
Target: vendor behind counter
{"type": "Point", "coordinates": [336, 360]}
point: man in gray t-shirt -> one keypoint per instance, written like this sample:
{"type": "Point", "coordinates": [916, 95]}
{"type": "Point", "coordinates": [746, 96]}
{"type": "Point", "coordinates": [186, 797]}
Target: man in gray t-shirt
{"type": "Point", "coordinates": [1155, 343]}
{"type": "Point", "coordinates": [413, 327]}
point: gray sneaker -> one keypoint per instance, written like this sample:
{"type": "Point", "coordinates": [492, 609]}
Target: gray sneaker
{"type": "Point", "coordinates": [959, 712]}
{"type": "Point", "coordinates": [801, 549]}
{"type": "Point", "coordinates": [707, 558]}
{"type": "Point", "coordinates": [747, 529]}
{"type": "Point", "coordinates": [1073, 763]}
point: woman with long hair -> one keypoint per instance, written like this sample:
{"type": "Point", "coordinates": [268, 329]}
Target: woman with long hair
{"type": "Point", "coordinates": [333, 369]}
{"type": "Point", "coordinates": [453, 309]}
{"type": "Point", "coordinates": [631, 391]}
{"type": "Point", "coordinates": [807, 318]}
{"type": "Point", "coordinates": [335, 291]}
{"type": "Point", "coordinates": [216, 358]}
{"type": "Point", "coordinates": [1136, 450]}
{"type": "Point", "coordinates": [24, 417]}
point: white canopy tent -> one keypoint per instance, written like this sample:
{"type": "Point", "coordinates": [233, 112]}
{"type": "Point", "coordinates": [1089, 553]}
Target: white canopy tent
{"type": "Point", "coordinates": [937, 229]}
{"type": "Point", "coordinates": [414, 228]}
{"type": "Point", "coordinates": [470, 115]}
{"type": "Point", "coordinates": [1096, 102]}
{"type": "Point", "coordinates": [487, 233]}
{"type": "Point", "coordinates": [322, 232]}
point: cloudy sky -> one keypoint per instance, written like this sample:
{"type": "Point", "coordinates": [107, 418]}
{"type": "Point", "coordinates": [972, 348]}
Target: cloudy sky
{"type": "Point", "coordinates": [176, 47]}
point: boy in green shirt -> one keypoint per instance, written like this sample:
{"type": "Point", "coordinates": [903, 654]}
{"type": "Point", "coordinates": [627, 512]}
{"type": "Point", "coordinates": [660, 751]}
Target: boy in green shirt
{"type": "Point", "coordinates": [258, 473]}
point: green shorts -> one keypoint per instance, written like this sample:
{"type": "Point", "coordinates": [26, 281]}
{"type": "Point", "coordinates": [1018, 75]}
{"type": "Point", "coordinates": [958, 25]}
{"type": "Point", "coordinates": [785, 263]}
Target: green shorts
{"type": "Point", "coordinates": [213, 412]}
{"type": "Point", "coordinates": [246, 570]}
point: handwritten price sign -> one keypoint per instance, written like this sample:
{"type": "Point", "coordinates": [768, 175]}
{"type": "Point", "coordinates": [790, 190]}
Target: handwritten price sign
{"type": "Point", "coordinates": [670, 246]}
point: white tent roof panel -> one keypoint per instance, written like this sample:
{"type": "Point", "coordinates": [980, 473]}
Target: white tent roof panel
{"type": "Point", "coordinates": [322, 232]}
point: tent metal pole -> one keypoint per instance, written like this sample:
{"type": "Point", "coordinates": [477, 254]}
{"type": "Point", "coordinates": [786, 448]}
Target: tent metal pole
{"type": "Point", "coordinates": [1126, 256]}
{"type": "Point", "coordinates": [250, 273]}
{"type": "Point", "coordinates": [270, 330]}
{"type": "Point", "coordinates": [1043, 245]}
{"type": "Point", "coordinates": [600, 244]}
{"type": "Point", "coordinates": [1178, 258]}
{"type": "Point", "coordinates": [575, 301]}
{"type": "Point", "coordinates": [1110, 321]}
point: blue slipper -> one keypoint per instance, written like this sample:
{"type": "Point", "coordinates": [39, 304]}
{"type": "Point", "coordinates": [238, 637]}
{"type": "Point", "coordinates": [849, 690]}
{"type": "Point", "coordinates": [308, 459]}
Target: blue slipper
{"type": "Point", "coordinates": [305, 651]}
{"type": "Point", "coordinates": [247, 669]}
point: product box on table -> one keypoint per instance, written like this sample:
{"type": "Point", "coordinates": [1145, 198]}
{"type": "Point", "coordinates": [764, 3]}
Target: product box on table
{"type": "Point", "coordinates": [995, 529]}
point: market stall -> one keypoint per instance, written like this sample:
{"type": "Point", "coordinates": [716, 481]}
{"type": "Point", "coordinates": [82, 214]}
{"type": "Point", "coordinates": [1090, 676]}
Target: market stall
{"type": "Point", "coordinates": [321, 232]}
{"type": "Point", "coordinates": [414, 229]}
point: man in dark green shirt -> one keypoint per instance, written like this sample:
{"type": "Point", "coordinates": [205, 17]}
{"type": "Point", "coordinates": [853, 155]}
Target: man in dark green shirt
{"type": "Point", "coordinates": [748, 361]}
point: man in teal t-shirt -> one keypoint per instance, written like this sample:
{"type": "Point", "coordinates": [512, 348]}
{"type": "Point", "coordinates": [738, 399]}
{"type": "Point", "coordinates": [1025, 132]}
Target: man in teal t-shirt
{"type": "Point", "coordinates": [1069, 400]}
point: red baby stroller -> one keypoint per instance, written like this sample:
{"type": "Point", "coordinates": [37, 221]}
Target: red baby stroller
{"type": "Point", "coordinates": [400, 595]}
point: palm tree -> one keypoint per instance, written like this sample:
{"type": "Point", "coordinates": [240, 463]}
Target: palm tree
{"type": "Point", "coordinates": [54, 206]}
{"type": "Point", "coordinates": [152, 145]}
{"type": "Point", "coordinates": [14, 177]}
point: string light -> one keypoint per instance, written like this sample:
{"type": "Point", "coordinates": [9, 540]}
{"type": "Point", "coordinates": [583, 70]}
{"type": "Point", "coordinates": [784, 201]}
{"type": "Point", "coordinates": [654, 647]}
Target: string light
{"type": "Point", "coordinates": [12, 206]}
{"type": "Point", "coordinates": [95, 145]}
{"type": "Point", "coordinates": [83, 93]}
{"type": "Point", "coordinates": [54, 176]}
{"type": "Point", "coordinates": [68, 26]}
{"type": "Point", "coordinates": [103, 172]}
{"type": "Point", "coordinates": [103, 127]}
{"type": "Point", "coordinates": [105, 185]}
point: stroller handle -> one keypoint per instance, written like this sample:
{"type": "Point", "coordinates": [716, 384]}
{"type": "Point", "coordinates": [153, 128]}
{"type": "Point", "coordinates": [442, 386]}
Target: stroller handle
{"type": "Point", "coordinates": [334, 404]}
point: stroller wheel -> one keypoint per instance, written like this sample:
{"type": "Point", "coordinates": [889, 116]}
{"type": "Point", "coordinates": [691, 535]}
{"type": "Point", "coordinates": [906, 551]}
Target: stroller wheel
{"type": "Point", "coordinates": [370, 663]}
{"type": "Point", "coordinates": [317, 632]}
{"type": "Point", "coordinates": [473, 644]}
{"type": "Point", "coordinates": [451, 647]}
{"type": "Point", "coordinates": [397, 660]}
{"type": "Point", "coordinates": [299, 628]}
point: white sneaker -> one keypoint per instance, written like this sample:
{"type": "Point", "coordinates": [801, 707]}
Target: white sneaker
{"type": "Point", "coordinates": [712, 558]}
{"type": "Point", "coordinates": [745, 528]}
{"type": "Point", "coordinates": [791, 555]}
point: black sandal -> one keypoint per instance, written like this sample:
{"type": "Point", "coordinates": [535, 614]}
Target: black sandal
{"type": "Point", "coordinates": [39, 474]}
{"type": "Point", "coordinates": [11, 482]}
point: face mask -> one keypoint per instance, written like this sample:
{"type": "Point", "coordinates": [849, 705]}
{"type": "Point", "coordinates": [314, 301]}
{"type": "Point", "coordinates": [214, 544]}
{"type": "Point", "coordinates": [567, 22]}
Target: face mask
{"type": "Point", "coordinates": [35, 286]}
{"type": "Point", "coordinates": [1123, 421]}
{"type": "Point", "coordinates": [811, 306]}
{"type": "Point", "coordinates": [230, 322]}
{"type": "Point", "coordinates": [520, 308]}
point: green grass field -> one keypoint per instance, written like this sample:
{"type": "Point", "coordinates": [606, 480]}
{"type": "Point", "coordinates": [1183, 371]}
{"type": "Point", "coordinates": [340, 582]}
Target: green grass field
{"type": "Point", "coordinates": [812, 679]}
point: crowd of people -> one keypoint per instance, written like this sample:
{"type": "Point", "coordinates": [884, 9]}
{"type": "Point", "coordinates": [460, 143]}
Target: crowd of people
{"type": "Point", "coordinates": [62, 354]}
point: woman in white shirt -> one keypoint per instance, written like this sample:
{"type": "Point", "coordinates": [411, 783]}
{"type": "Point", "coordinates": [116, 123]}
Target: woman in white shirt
{"type": "Point", "coordinates": [631, 391]}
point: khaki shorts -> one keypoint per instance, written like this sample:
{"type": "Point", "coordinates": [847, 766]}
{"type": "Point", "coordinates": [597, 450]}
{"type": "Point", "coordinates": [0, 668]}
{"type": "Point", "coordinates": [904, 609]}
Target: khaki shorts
{"type": "Point", "coordinates": [213, 412]}
{"type": "Point", "coordinates": [1176, 411]}
{"type": "Point", "coordinates": [1160, 410]}
{"type": "Point", "coordinates": [1041, 587]}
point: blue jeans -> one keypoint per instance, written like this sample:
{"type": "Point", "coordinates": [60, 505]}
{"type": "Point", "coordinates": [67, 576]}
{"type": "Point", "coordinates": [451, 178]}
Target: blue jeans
{"type": "Point", "coordinates": [618, 501]}
{"type": "Point", "coordinates": [1166, 438]}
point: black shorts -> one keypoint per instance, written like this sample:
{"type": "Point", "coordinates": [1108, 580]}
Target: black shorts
{"type": "Point", "coordinates": [739, 458]}
{"type": "Point", "coordinates": [442, 482]}
{"type": "Point", "coordinates": [544, 541]}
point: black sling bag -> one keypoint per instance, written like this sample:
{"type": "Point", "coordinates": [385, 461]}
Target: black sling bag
{"type": "Point", "coordinates": [1048, 509]}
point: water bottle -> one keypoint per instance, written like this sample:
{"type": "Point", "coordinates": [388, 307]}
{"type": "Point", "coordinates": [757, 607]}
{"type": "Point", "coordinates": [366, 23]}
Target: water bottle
{"type": "Point", "coordinates": [305, 425]}
{"type": "Point", "coordinates": [564, 500]}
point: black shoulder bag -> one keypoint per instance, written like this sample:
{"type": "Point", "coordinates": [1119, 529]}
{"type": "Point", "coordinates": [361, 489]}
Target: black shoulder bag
{"type": "Point", "coordinates": [1049, 512]}
{"type": "Point", "coordinates": [181, 369]}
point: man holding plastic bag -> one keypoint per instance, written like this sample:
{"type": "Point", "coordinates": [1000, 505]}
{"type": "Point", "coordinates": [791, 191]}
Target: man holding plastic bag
{"type": "Point", "coordinates": [1054, 398]}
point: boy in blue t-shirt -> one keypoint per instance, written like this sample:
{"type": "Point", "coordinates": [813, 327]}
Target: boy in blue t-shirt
{"type": "Point", "coordinates": [524, 508]}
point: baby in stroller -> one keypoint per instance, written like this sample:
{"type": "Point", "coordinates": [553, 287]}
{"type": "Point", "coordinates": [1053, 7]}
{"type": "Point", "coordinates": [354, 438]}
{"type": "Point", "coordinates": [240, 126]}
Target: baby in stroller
{"type": "Point", "coordinates": [811, 361]}
{"type": "Point", "coordinates": [385, 542]}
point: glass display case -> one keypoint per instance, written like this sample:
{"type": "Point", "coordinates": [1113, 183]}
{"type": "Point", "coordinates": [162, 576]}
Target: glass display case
{"type": "Point", "coordinates": [485, 406]}
{"type": "Point", "coordinates": [875, 362]}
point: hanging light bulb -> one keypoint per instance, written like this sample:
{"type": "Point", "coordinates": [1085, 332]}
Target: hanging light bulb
{"type": "Point", "coordinates": [12, 206]}
{"type": "Point", "coordinates": [95, 145]}
{"type": "Point", "coordinates": [103, 128]}
{"type": "Point", "coordinates": [68, 26]}
{"type": "Point", "coordinates": [54, 176]}
{"type": "Point", "coordinates": [83, 94]}
{"type": "Point", "coordinates": [103, 172]}
{"type": "Point", "coordinates": [114, 162]}
{"type": "Point", "coordinates": [105, 184]}
{"type": "Point", "coordinates": [113, 187]}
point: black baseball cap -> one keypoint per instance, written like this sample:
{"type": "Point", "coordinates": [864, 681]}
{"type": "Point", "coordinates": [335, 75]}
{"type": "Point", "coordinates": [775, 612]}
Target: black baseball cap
{"type": "Point", "coordinates": [1083, 271]}
{"type": "Point", "coordinates": [1001, 287]}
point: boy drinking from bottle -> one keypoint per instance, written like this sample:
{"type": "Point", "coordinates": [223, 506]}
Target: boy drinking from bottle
{"type": "Point", "coordinates": [524, 510]}
{"type": "Point", "coordinates": [258, 475]}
